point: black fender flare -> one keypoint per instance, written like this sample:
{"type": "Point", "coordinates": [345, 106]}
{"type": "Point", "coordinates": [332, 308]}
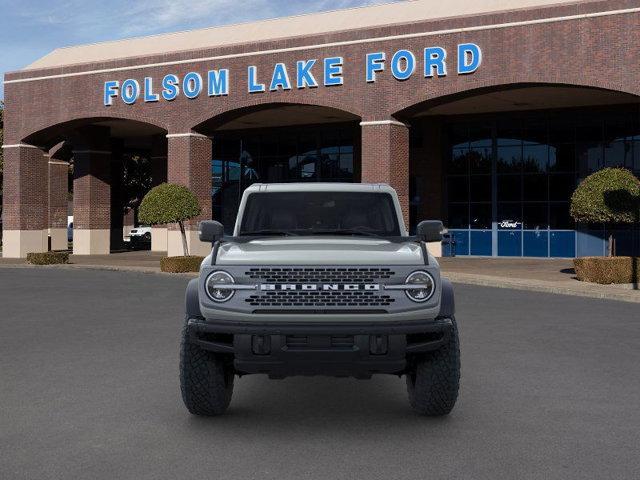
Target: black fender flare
{"type": "Point", "coordinates": [191, 300]}
{"type": "Point", "coordinates": [447, 300]}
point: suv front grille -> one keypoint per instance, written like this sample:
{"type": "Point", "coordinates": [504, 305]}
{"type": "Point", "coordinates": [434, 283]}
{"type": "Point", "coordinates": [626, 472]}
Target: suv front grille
{"type": "Point", "coordinates": [319, 274]}
{"type": "Point", "coordinates": [319, 299]}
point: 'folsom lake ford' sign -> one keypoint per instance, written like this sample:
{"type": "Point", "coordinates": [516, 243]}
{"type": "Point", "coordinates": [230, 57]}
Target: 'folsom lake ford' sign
{"type": "Point", "coordinates": [310, 73]}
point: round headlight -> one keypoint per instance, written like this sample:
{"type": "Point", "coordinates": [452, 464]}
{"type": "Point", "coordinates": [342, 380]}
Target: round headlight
{"type": "Point", "coordinates": [425, 286]}
{"type": "Point", "coordinates": [215, 286]}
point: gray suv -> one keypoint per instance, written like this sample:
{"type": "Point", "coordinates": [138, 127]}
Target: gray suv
{"type": "Point", "coordinates": [320, 279]}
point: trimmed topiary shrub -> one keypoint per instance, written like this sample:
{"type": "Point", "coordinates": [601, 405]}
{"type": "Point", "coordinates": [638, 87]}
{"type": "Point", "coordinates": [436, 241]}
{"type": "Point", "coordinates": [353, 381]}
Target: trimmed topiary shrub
{"type": "Point", "coordinates": [607, 270]}
{"type": "Point", "coordinates": [611, 195]}
{"type": "Point", "coordinates": [169, 203]}
{"type": "Point", "coordinates": [181, 264]}
{"type": "Point", "coordinates": [48, 258]}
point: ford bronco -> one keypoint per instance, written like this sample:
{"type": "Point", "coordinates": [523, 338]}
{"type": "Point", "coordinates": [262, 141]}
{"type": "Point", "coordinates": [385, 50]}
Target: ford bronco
{"type": "Point", "coordinates": [320, 279]}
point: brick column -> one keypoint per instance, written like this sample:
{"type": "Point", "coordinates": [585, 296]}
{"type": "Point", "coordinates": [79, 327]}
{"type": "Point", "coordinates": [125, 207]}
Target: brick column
{"type": "Point", "coordinates": [58, 191]}
{"type": "Point", "coordinates": [189, 164]}
{"type": "Point", "coordinates": [158, 175]}
{"type": "Point", "coordinates": [385, 157]}
{"type": "Point", "coordinates": [116, 239]}
{"type": "Point", "coordinates": [92, 192]}
{"type": "Point", "coordinates": [25, 210]}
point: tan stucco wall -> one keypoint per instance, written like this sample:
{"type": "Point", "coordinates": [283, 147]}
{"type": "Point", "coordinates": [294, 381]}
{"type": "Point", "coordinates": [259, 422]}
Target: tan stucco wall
{"type": "Point", "coordinates": [158, 239]}
{"type": "Point", "coordinates": [196, 247]}
{"type": "Point", "coordinates": [17, 243]}
{"type": "Point", "coordinates": [58, 238]}
{"type": "Point", "coordinates": [91, 242]}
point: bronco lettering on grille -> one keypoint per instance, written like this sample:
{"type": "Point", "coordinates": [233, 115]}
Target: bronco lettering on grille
{"type": "Point", "coordinates": [266, 287]}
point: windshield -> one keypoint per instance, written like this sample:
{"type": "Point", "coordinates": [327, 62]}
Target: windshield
{"type": "Point", "coordinates": [320, 213]}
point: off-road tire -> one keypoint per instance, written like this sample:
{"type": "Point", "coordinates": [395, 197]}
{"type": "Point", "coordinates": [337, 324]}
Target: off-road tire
{"type": "Point", "coordinates": [206, 382]}
{"type": "Point", "coordinates": [433, 382]}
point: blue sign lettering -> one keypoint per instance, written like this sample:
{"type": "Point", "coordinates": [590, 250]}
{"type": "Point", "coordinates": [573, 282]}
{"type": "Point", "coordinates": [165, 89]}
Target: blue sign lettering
{"type": "Point", "coordinates": [402, 67]}
{"type": "Point", "coordinates": [130, 91]}
{"type": "Point", "coordinates": [375, 63]}
{"type": "Point", "coordinates": [434, 59]}
{"type": "Point", "coordinates": [280, 78]}
{"type": "Point", "coordinates": [149, 96]}
{"type": "Point", "coordinates": [469, 58]}
{"type": "Point", "coordinates": [304, 77]}
{"type": "Point", "coordinates": [110, 92]}
{"type": "Point", "coordinates": [333, 71]}
{"type": "Point", "coordinates": [218, 82]}
{"type": "Point", "coordinates": [192, 85]}
{"type": "Point", "coordinates": [403, 64]}
{"type": "Point", "coordinates": [254, 87]}
{"type": "Point", "coordinates": [170, 86]}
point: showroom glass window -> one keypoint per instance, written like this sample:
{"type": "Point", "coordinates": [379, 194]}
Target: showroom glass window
{"type": "Point", "coordinates": [509, 177]}
{"type": "Point", "coordinates": [297, 154]}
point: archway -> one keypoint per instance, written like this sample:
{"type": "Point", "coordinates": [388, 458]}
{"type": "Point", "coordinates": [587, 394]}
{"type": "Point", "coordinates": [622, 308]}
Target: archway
{"type": "Point", "coordinates": [275, 143]}
{"type": "Point", "coordinates": [499, 165]}
{"type": "Point", "coordinates": [113, 162]}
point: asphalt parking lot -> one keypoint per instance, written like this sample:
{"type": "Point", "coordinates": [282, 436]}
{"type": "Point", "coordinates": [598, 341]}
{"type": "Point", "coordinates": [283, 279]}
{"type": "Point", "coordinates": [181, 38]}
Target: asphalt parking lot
{"type": "Point", "coordinates": [89, 389]}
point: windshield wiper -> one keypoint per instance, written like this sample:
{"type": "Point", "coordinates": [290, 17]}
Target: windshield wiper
{"type": "Point", "coordinates": [284, 233]}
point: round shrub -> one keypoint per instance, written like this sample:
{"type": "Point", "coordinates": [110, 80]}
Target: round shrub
{"type": "Point", "coordinates": [168, 203]}
{"type": "Point", "coordinates": [181, 264]}
{"type": "Point", "coordinates": [611, 195]}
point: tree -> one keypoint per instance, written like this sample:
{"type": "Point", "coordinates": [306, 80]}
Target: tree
{"type": "Point", "coordinates": [611, 195]}
{"type": "Point", "coordinates": [136, 180]}
{"type": "Point", "coordinates": [170, 203]}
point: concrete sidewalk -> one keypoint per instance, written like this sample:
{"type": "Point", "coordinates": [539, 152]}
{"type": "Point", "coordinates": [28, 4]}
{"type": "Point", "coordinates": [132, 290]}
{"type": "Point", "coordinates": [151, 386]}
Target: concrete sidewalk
{"type": "Point", "coordinates": [540, 275]}
{"type": "Point", "coordinates": [138, 261]}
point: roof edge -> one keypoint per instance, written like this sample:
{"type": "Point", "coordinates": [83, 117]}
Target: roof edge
{"type": "Point", "coordinates": [545, 7]}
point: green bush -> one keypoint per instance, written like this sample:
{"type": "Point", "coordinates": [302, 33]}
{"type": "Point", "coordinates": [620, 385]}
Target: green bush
{"type": "Point", "coordinates": [48, 258]}
{"type": "Point", "coordinates": [169, 203]}
{"type": "Point", "coordinates": [607, 270]}
{"type": "Point", "coordinates": [181, 264]}
{"type": "Point", "coordinates": [611, 195]}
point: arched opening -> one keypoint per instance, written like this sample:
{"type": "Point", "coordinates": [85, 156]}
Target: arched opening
{"type": "Point", "coordinates": [110, 163]}
{"type": "Point", "coordinates": [499, 166]}
{"type": "Point", "coordinates": [277, 143]}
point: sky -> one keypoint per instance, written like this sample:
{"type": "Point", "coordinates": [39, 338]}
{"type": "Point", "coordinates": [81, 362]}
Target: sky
{"type": "Point", "coordinates": [29, 29]}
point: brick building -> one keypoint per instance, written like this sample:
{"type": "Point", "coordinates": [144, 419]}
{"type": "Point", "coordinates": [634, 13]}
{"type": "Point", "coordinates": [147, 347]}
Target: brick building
{"type": "Point", "coordinates": [485, 114]}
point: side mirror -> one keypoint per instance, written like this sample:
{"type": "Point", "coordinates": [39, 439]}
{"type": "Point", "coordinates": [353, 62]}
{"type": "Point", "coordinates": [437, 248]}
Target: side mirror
{"type": "Point", "coordinates": [430, 230]}
{"type": "Point", "coordinates": [210, 231]}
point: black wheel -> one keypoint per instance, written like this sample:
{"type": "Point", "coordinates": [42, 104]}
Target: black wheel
{"type": "Point", "coordinates": [434, 381]}
{"type": "Point", "coordinates": [206, 382]}
{"type": "Point", "coordinates": [147, 236]}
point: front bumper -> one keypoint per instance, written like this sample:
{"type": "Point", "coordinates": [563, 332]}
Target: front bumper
{"type": "Point", "coordinates": [336, 349]}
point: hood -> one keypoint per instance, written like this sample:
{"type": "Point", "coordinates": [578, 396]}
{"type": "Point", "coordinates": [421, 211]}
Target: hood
{"type": "Point", "coordinates": [320, 251]}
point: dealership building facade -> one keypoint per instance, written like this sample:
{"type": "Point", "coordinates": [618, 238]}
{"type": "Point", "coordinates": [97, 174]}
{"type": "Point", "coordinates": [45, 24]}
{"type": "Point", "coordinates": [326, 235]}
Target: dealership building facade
{"type": "Point", "coordinates": [485, 114]}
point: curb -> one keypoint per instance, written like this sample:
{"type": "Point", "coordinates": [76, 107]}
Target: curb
{"type": "Point", "coordinates": [577, 289]}
{"type": "Point", "coordinates": [111, 268]}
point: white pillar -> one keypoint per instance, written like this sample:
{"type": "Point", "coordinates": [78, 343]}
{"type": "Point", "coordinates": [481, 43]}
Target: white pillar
{"type": "Point", "coordinates": [159, 239]}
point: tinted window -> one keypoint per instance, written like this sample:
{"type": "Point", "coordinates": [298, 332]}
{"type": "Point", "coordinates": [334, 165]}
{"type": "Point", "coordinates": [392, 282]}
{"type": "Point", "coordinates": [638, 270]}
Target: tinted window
{"type": "Point", "coordinates": [308, 213]}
